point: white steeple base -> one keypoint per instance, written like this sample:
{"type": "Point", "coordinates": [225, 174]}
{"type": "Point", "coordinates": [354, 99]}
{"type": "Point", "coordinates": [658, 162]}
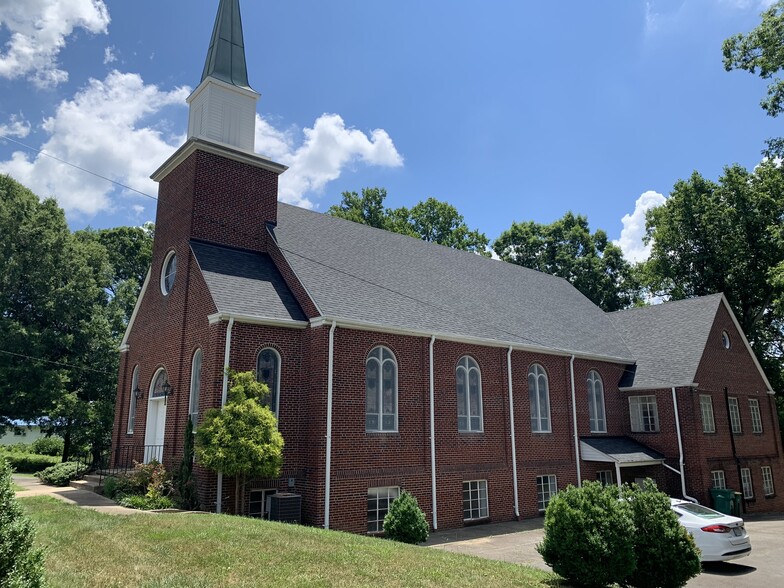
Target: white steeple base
{"type": "Point", "coordinates": [223, 113]}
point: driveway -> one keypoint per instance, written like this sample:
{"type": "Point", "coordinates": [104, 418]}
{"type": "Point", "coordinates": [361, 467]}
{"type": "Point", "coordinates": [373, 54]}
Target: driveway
{"type": "Point", "coordinates": [516, 542]}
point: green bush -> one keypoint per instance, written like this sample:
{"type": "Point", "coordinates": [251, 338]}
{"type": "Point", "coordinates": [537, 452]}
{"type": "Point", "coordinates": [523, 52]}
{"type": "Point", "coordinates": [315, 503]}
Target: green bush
{"type": "Point", "coordinates": [49, 446]}
{"type": "Point", "coordinates": [62, 473]}
{"type": "Point", "coordinates": [666, 554]}
{"type": "Point", "coordinates": [17, 448]}
{"type": "Point", "coordinates": [588, 536]}
{"type": "Point", "coordinates": [21, 564]}
{"type": "Point", "coordinates": [405, 521]}
{"type": "Point", "coordinates": [29, 463]}
{"type": "Point", "coordinates": [145, 502]}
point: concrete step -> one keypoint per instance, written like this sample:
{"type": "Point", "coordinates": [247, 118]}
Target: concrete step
{"type": "Point", "coordinates": [90, 483]}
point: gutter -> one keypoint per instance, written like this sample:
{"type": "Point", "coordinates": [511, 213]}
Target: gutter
{"type": "Point", "coordinates": [512, 431]}
{"type": "Point", "coordinates": [224, 395]}
{"type": "Point", "coordinates": [680, 450]}
{"type": "Point", "coordinates": [574, 422]}
{"type": "Point", "coordinates": [433, 438]}
{"type": "Point", "coordinates": [328, 466]}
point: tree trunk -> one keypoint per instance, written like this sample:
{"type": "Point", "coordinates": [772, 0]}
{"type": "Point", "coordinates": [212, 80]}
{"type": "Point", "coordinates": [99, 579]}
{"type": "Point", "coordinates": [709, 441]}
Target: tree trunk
{"type": "Point", "coordinates": [67, 442]}
{"type": "Point", "coordinates": [237, 494]}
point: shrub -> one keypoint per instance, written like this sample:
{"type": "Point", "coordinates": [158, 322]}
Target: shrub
{"type": "Point", "coordinates": [588, 534]}
{"type": "Point", "coordinates": [49, 446]}
{"type": "Point", "coordinates": [145, 502]}
{"type": "Point", "coordinates": [17, 448]}
{"type": "Point", "coordinates": [405, 521]}
{"type": "Point", "coordinates": [183, 481]}
{"type": "Point", "coordinates": [666, 554]}
{"type": "Point", "coordinates": [21, 564]}
{"type": "Point", "coordinates": [29, 463]}
{"type": "Point", "coordinates": [62, 473]}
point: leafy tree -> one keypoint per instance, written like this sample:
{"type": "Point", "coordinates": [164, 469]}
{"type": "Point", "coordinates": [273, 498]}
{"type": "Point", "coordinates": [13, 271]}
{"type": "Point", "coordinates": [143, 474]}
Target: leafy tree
{"type": "Point", "coordinates": [587, 536]}
{"type": "Point", "coordinates": [405, 521]}
{"type": "Point", "coordinates": [21, 564]}
{"type": "Point", "coordinates": [667, 556]}
{"type": "Point", "coordinates": [241, 439]}
{"type": "Point", "coordinates": [567, 249]}
{"type": "Point", "coordinates": [761, 52]}
{"type": "Point", "coordinates": [431, 220]}
{"type": "Point", "coordinates": [726, 236]}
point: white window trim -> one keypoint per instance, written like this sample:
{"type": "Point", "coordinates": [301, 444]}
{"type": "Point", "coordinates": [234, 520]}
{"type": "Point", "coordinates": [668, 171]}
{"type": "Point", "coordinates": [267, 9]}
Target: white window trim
{"type": "Point", "coordinates": [132, 404]}
{"type": "Point", "coordinates": [165, 291]}
{"type": "Point", "coordinates": [734, 408]}
{"type": "Point", "coordinates": [636, 413]}
{"type": "Point", "coordinates": [756, 415]}
{"type": "Point", "coordinates": [276, 392]}
{"type": "Point", "coordinates": [709, 424]}
{"type": "Point", "coordinates": [768, 488]}
{"type": "Point", "coordinates": [552, 490]}
{"type": "Point", "coordinates": [539, 374]}
{"type": "Point", "coordinates": [480, 485]}
{"type": "Point", "coordinates": [717, 475]}
{"type": "Point", "coordinates": [605, 477]}
{"type": "Point", "coordinates": [380, 390]}
{"type": "Point", "coordinates": [596, 402]}
{"type": "Point", "coordinates": [378, 490]}
{"type": "Point", "coordinates": [747, 483]}
{"type": "Point", "coordinates": [467, 364]}
{"type": "Point", "coordinates": [195, 387]}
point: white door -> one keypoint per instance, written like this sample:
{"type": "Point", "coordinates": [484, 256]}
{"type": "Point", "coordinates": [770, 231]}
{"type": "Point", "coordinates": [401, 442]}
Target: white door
{"type": "Point", "coordinates": [156, 427]}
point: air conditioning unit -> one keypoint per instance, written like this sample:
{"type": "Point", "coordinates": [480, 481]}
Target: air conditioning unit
{"type": "Point", "coordinates": [285, 507]}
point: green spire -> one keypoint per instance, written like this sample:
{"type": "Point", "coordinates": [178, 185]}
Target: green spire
{"type": "Point", "coordinates": [226, 57]}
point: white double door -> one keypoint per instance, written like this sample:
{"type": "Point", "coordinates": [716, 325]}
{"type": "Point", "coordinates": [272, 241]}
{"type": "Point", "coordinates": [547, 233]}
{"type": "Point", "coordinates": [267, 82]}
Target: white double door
{"type": "Point", "coordinates": [156, 427]}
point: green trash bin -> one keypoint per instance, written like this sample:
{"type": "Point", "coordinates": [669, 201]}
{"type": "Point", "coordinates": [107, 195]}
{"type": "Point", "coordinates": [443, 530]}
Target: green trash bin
{"type": "Point", "coordinates": [723, 500]}
{"type": "Point", "coordinates": [737, 504]}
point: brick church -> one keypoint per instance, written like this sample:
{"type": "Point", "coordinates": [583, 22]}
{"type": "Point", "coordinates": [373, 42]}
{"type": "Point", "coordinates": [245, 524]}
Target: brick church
{"type": "Point", "coordinates": [479, 386]}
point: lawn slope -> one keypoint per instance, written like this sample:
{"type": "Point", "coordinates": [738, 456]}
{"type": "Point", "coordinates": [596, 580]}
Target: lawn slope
{"type": "Point", "coordinates": [85, 548]}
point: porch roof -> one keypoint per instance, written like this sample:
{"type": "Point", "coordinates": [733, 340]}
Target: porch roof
{"type": "Point", "coordinates": [623, 451]}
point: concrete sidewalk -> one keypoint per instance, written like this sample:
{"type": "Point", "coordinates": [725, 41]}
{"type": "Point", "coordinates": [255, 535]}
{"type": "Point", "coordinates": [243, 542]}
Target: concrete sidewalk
{"type": "Point", "coordinates": [82, 498]}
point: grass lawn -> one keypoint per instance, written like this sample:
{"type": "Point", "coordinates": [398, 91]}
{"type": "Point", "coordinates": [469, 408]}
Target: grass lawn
{"type": "Point", "coordinates": [85, 548]}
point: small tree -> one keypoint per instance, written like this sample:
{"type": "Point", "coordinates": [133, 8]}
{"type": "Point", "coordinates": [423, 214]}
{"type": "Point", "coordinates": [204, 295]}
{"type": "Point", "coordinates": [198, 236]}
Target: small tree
{"type": "Point", "coordinates": [21, 564]}
{"type": "Point", "coordinates": [666, 554]}
{"type": "Point", "coordinates": [587, 536]}
{"type": "Point", "coordinates": [184, 484]}
{"type": "Point", "coordinates": [242, 438]}
{"type": "Point", "coordinates": [405, 521]}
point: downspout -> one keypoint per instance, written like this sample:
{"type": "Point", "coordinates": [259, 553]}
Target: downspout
{"type": "Point", "coordinates": [329, 424]}
{"type": "Point", "coordinates": [680, 449]}
{"type": "Point", "coordinates": [224, 394]}
{"type": "Point", "coordinates": [732, 443]}
{"type": "Point", "coordinates": [433, 438]}
{"type": "Point", "coordinates": [512, 431]}
{"type": "Point", "coordinates": [574, 421]}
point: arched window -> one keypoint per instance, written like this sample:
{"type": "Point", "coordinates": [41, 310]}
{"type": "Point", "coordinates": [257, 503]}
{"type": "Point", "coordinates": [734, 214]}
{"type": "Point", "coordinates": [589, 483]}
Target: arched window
{"type": "Point", "coordinates": [539, 395]}
{"type": "Point", "coordinates": [268, 372]}
{"type": "Point", "coordinates": [469, 395]}
{"type": "Point", "coordinates": [380, 391]}
{"type": "Point", "coordinates": [168, 272]}
{"type": "Point", "coordinates": [132, 409]}
{"type": "Point", "coordinates": [195, 387]}
{"type": "Point", "coordinates": [596, 403]}
{"type": "Point", "coordinates": [158, 389]}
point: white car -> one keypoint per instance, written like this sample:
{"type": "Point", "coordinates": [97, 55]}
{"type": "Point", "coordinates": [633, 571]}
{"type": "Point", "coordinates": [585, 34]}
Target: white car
{"type": "Point", "coordinates": [720, 537]}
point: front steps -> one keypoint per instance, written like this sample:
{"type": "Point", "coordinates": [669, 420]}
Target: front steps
{"type": "Point", "coordinates": [90, 482]}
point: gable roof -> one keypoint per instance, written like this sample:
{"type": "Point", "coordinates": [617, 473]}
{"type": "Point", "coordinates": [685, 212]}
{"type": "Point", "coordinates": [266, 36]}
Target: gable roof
{"type": "Point", "coordinates": [367, 276]}
{"type": "Point", "coordinates": [667, 339]}
{"type": "Point", "coordinates": [246, 283]}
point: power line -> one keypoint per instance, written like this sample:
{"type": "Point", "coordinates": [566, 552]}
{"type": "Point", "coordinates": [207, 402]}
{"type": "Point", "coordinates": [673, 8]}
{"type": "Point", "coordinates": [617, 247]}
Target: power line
{"type": "Point", "coordinates": [58, 363]}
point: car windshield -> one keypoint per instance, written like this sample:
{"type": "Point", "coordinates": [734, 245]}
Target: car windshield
{"type": "Point", "coordinates": [699, 510]}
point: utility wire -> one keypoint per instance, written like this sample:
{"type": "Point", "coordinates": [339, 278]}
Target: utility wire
{"type": "Point", "coordinates": [59, 363]}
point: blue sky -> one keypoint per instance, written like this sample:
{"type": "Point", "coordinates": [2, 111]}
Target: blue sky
{"type": "Point", "coordinates": [508, 110]}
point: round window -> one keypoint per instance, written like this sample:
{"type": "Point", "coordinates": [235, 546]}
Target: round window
{"type": "Point", "coordinates": [169, 273]}
{"type": "Point", "coordinates": [725, 340]}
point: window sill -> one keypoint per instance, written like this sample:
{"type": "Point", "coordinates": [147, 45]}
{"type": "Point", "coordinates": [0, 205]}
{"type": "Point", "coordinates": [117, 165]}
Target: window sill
{"type": "Point", "coordinates": [767, 496]}
{"type": "Point", "coordinates": [382, 432]}
{"type": "Point", "coordinates": [475, 522]}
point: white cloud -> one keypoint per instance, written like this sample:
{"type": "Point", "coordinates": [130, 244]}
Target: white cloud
{"type": "Point", "coordinates": [38, 30]}
{"type": "Point", "coordinates": [108, 55]}
{"type": "Point", "coordinates": [630, 242]}
{"type": "Point", "coordinates": [16, 127]}
{"type": "Point", "coordinates": [328, 148]}
{"type": "Point", "coordinates": [102, 129]}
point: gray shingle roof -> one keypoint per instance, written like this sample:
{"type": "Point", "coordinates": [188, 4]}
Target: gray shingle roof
{"type": "Point", "coordinates": [667, 339]}
{"type": "Point", "coordinates": [621, 449]}
{"type": "Point", "coordinates": [243, 282]}
{"type": "Point", "coordinates": [355, 272]}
